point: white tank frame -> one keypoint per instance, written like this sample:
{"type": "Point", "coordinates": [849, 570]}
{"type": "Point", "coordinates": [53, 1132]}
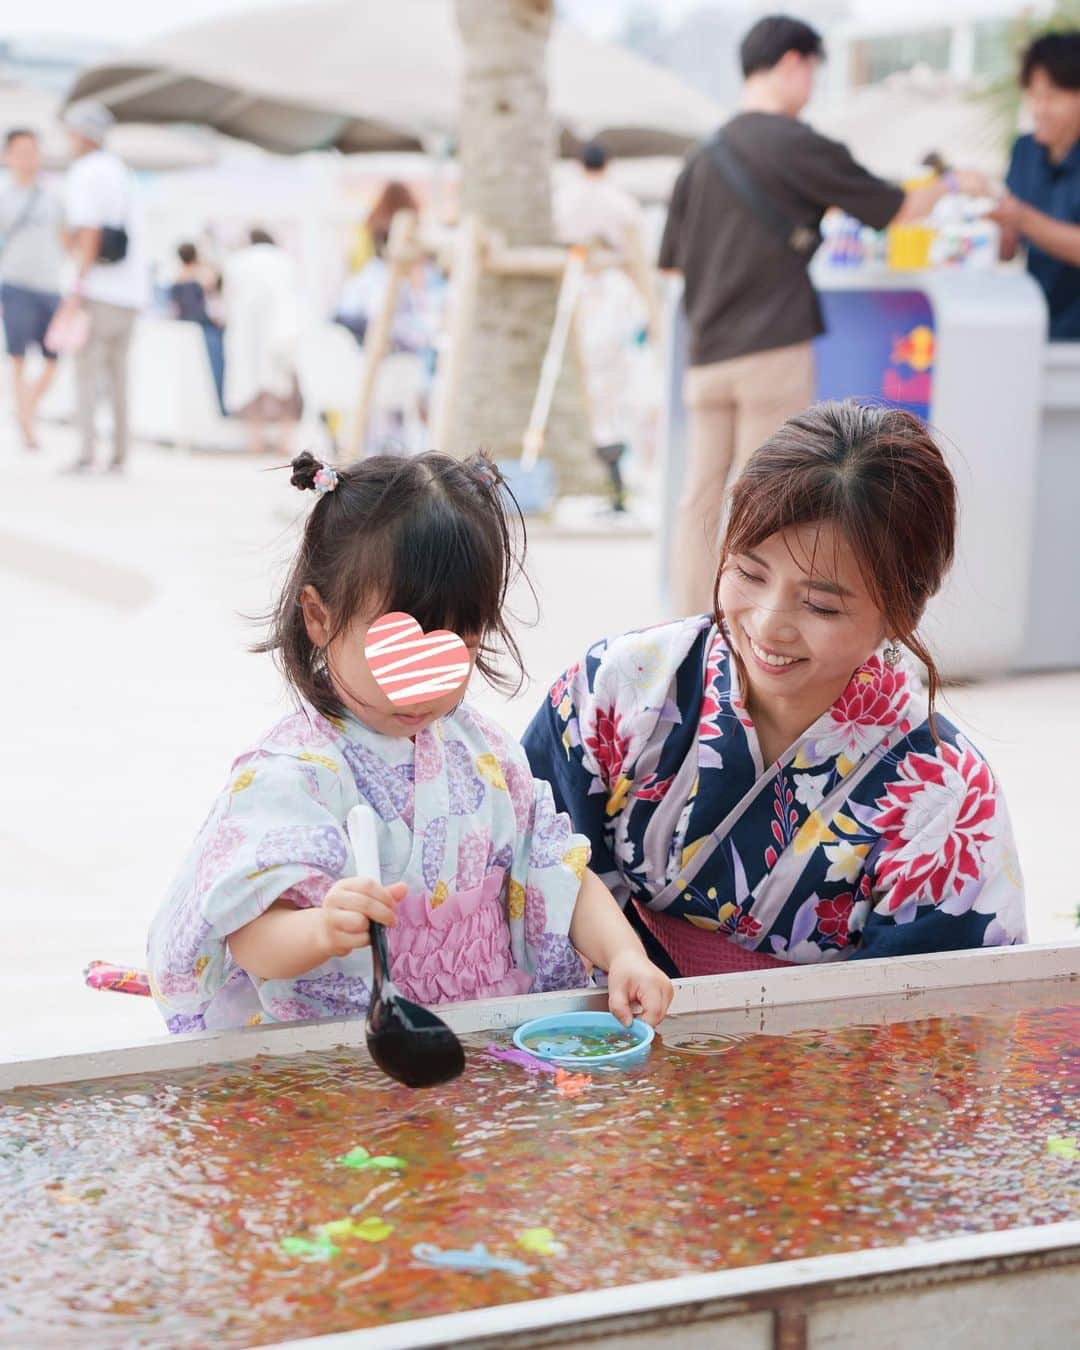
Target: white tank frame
{"type": "Point", "coordinates": [1000, 1290]}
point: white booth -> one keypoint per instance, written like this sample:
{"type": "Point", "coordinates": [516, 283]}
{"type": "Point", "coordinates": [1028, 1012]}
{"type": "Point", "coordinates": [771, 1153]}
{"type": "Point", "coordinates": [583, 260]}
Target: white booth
{"type": "Point", "coordinates": [964, 349]}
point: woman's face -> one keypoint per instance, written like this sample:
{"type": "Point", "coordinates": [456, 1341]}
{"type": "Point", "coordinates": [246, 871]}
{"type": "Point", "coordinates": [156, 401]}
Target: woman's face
{"type": "Point", "coordinates": [800, 617]}
{"type": "Point", "coordinates": [354, 683]}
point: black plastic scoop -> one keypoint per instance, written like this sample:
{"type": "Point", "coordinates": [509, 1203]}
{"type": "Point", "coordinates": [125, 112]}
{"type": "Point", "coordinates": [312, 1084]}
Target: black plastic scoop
{"type": "Point", "coordinates": [406, 1041]}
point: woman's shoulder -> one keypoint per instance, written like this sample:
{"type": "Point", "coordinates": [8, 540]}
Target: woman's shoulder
{"type": "Point", "coordinates": [929, 777]}
{"type": "Point", "coordinates": [642, 655]}
{"type": "Point", "coordinates": [949, 740]}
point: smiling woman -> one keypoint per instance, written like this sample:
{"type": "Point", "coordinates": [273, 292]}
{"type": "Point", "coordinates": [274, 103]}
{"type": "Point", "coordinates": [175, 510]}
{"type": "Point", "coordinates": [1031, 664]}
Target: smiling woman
{"type": "Point", "coordinates": [768, 783]}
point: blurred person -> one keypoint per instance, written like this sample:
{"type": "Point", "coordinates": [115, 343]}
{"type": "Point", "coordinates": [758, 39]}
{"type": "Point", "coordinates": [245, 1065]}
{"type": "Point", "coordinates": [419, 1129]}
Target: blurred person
{"type": "Point", "coordinates": [622, 396]}
{"type": "Point", "coordinates": [364, 290]}
{"type": "Point", "coordinates": [363, 295]}
{"type": "Point", "coordinates": [31, 256]}
{"type": "Point", "coordinates": [111, 279]}
{"type": "Point", "coordinates": [261, 289]}
{"type": "Point", "coordinates": [1042, 205]}
{"type": "Point", "coordinates": [188, 297]}
{"type": "Point", "coordinates": [395, 196]}
{"type": "Point", "coordinates": [591, 208]}
{"type": "Point", "coordinates": [743, 224]}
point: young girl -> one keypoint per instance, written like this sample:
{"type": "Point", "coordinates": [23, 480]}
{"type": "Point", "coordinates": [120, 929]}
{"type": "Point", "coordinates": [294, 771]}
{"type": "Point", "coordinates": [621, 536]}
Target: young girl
{"type": "Point", "coordinates": [767, 784]}
{"type": "Point", "coordinates": [484, 888]}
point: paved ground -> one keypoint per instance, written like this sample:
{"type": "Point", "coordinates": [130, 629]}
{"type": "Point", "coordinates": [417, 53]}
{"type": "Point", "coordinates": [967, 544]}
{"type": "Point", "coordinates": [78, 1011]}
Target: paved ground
{"type": "Point", "coordinates": [128, 691]}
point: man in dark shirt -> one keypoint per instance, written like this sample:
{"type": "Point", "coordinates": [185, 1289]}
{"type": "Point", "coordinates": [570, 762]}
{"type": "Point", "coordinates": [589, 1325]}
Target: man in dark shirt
{"type": "Point", "coordinates": [1042, 206]}
{"type": "Point", "coordinates": [751, 308]}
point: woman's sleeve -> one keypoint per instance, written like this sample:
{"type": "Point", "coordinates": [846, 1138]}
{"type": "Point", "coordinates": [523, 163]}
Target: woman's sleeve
{"type": "Point", "coordinates": [271, 835]}
{"type": "Point", "coordinates": [557, 754]}
{"type": "Point", "coordinates": [953, 883]}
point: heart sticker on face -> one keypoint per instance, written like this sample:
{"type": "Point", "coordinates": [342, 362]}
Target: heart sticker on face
{"type": "Point", "coordinates": [411, 666]}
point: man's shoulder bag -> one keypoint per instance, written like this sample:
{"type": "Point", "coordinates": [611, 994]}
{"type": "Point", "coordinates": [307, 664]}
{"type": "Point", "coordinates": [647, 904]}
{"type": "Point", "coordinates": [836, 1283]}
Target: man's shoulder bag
{"type": "Point", "coordinates": [802, 240]}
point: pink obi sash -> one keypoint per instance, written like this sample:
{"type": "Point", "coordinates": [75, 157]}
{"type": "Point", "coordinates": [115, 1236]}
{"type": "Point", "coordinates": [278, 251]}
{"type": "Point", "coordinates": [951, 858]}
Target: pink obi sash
{"type": "Point", "coordinates": [459, 949]}
{"type": "Point", "coordinates": [699, 951]}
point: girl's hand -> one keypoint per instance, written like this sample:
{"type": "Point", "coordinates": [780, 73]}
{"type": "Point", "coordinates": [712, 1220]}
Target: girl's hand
{"type": "Point", "coordinates": [636, 986]}
{"type": "Point", "coordinates": [344, 919]}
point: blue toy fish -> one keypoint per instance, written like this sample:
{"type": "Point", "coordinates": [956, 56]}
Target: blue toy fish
{"type": "Point", "coordinates": [477, 1258]}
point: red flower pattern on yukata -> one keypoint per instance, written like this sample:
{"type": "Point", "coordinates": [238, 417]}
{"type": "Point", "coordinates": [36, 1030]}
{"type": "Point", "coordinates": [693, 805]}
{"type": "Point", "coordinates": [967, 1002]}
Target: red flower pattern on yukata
{"type": "Point", "coordinates": [607, 746]}
{"type": "Point", "coordinates": [873, 702]}
{"type": "Point", "coordinates": [938, 821]}
{"type": "Point", "coordinates": [711, 706]}
{"type": "Point", "coordinates": [653, 789]}
{"type": "Point", "coordinates": [562, 684]}
{"type": "Point", "coordinates": [833, 916]}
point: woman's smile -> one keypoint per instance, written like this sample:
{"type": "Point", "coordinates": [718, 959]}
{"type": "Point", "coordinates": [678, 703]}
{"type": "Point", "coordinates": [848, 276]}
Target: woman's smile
{"type": "Point", "coordinates": [773, 662]}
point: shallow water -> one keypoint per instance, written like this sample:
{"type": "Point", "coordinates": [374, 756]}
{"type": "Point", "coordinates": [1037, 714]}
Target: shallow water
{"type": "Point", "coordinates": [581, 1045]}
{"type": "Point", "coordinates": [152, 1212]}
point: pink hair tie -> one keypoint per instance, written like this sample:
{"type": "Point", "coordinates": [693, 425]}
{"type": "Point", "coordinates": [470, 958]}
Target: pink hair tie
{"type": "Point", "coordinates": [325, 480]}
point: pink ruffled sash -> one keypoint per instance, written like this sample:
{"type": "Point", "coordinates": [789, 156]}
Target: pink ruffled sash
{"type": "Point", "coordinates": [457, 950]}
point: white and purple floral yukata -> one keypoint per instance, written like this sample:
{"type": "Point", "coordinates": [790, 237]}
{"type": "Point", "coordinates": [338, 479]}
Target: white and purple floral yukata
{"type": "Point", "coordinates": [493, 871]}
{"type": "Point", "coordinates": [866, 838]}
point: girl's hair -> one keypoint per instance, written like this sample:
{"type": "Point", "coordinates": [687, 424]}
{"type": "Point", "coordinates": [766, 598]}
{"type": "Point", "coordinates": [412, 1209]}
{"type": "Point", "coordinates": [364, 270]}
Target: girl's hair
{"type": "Point", "coordinates": [429, 536]}
{"type": "Point", "coordinates": [877, 475]}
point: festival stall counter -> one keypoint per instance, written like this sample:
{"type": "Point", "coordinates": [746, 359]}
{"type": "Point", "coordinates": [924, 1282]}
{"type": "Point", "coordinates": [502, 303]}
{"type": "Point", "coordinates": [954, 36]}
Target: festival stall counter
{"type": "Point", "coordinates": [1052, 635]}
{"type": "Point", "coordinates": [886, 1152]}
{"type": "Point", "coordinates": [964, 348]}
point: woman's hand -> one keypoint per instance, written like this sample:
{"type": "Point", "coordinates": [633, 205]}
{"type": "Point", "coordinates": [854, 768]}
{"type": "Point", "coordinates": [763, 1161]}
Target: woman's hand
{"type": "Point", "coordinates": [637, 987]}
{"type": "Point", "coordinates": [343, 921]}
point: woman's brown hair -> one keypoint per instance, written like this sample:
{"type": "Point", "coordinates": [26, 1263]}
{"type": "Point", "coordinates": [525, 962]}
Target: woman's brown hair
{"type": "Point", "coordinates": [877, 475]}
{"type": "Point", "coordinates": [429, 536]}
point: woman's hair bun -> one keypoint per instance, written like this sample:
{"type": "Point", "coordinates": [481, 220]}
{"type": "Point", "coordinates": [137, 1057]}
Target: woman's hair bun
{"type": "Point", "coordinates": [304, 468]}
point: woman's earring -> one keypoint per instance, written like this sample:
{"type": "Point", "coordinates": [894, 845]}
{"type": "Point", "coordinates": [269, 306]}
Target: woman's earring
{"type": "Point", "coordinates": [892, 653]}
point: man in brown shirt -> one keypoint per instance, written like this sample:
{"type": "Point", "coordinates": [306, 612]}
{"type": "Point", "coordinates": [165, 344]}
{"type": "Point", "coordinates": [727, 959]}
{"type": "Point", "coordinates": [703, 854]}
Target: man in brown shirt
{"type": "Point", "coordinates": [751, 307]}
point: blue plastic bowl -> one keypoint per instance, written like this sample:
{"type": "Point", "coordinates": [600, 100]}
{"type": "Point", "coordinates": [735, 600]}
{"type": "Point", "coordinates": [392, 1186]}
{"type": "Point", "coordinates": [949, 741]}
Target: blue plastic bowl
{"type": "Point", "coordinates": [586, 1023]}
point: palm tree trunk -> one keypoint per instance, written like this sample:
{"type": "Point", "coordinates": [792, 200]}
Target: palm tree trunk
{"type": "Point", "coordinates": [506, 148]}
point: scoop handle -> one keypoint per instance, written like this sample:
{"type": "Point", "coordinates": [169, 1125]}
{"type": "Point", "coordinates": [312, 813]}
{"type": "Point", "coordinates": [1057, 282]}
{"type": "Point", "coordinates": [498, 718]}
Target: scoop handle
{"type": "Point", "coordinates": [365, 845]}
{"type": "Point", "coordinates": [360, 825]}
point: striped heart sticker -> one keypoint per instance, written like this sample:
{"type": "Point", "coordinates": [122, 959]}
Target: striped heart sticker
{"type": "Point", "coordinates": [411, 666]}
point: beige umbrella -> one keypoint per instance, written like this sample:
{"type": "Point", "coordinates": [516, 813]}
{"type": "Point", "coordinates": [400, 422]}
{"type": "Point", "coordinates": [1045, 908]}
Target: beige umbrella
{"type": "Point", "coordinates": [364, 75]}
{"type": "Point", "coordinates": [889, 127]}
{"type": "Point", "coordinates": [139, 145]}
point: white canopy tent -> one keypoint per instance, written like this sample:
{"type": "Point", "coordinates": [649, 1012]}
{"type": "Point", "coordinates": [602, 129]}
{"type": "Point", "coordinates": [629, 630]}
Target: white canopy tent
{"type": "Point", "coordinates": [361, 75]}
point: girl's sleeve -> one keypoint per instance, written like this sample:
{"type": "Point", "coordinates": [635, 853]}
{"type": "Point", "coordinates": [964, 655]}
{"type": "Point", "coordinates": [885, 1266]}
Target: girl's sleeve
{"type": "Point", "coordinates": [271, 835]}
{"type": "Point", "coordinates": [947, 886]}
{"type": "Point", "coordinates": [546, 868]}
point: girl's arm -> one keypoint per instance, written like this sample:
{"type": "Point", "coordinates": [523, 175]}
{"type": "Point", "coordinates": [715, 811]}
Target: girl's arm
{"type": "Point", "coordinates": [284, 942]}
{"type": "Point", "coordinates": [601, 932]}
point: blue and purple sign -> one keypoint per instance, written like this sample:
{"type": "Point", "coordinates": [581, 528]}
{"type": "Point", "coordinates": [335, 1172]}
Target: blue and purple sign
{"type": "Point", "coordinates": [878, 345]}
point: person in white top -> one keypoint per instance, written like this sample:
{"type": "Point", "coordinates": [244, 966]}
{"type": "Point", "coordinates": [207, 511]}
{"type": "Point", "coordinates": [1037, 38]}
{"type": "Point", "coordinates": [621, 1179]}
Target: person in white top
{"type": "Point", "coordinates": [592, 209]}
{"type": "Point", "coordinates": [30, 263]}
{"type": "Point", "coordinates": [618, 305]}
{"type": "Point", "coordinates": [105, 239]}
{"type": "Point", "coordinates": [261, 288]}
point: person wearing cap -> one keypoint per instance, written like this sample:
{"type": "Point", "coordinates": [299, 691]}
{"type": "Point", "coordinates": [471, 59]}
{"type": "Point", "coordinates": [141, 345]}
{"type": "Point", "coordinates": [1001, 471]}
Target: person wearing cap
{"type": "Point", "coordinates": [1042, 205]}
{"type": "Point", "coordinates": [742, 226]}
{"type": "Point", "coordinates": [31, 257]}
{"type": "Point", "coordinates": [110, 277]}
